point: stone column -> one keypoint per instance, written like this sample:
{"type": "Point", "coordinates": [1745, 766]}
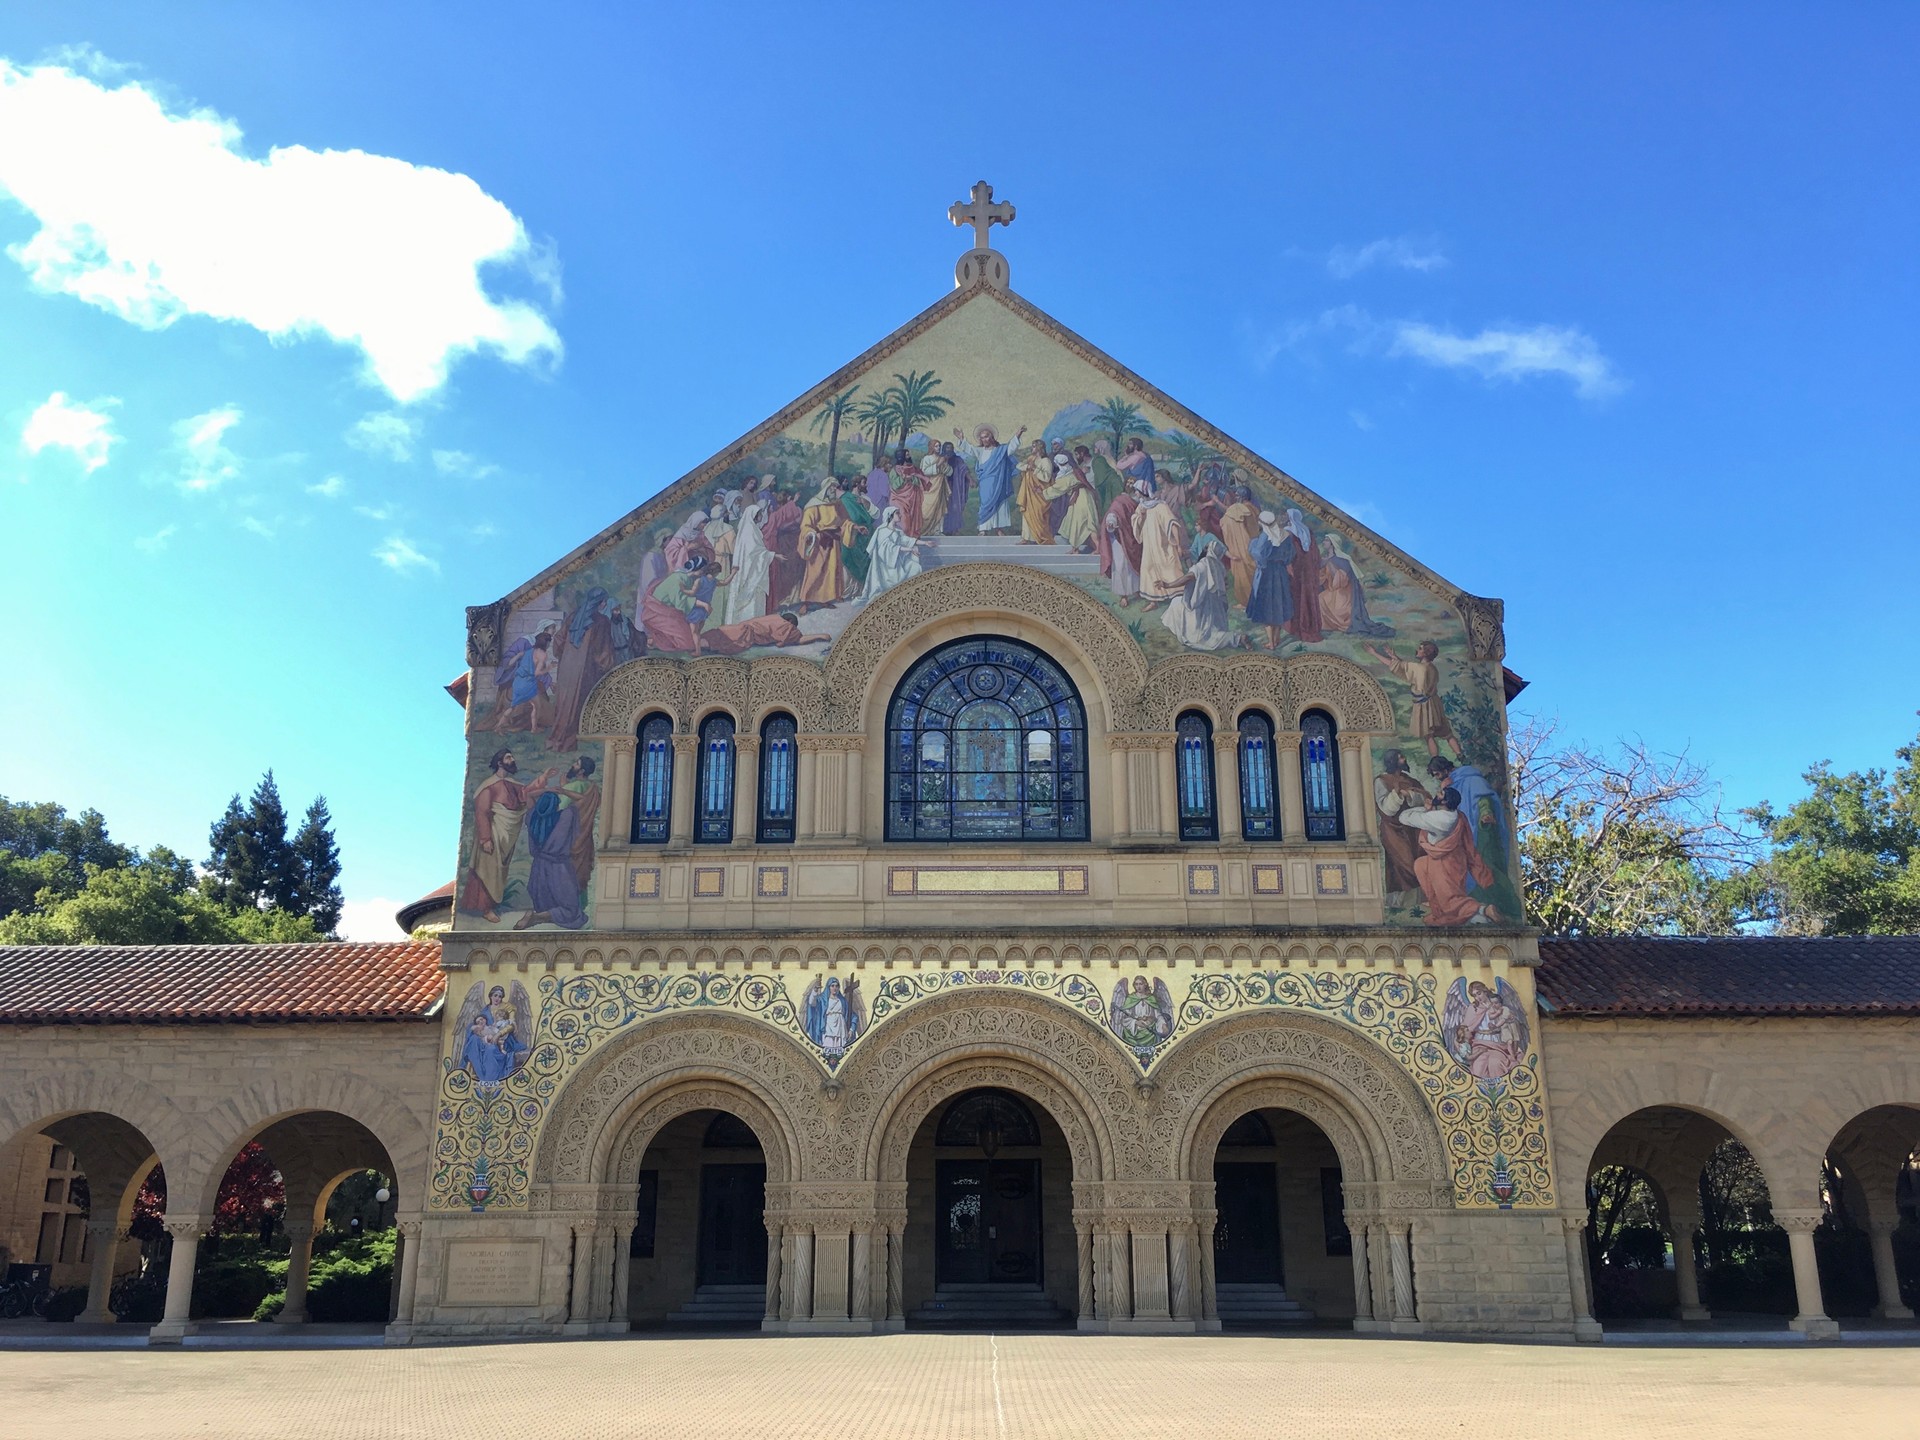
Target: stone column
{"type": "Point", "coordinates": [1209, 1292]}
{"type": "Point", "coordinates": [1377, 1266]}
{"type": "Point", "coordinates": [853, 823]}
{"type": "Point", "coordinates": [1574, 1229]}
{"type": "Point", "coordinates": [1165, 769]}
{"type": "Point", "coordinates": [803, 791]}
{"type": "Point", "coordinates": [409, 1270]}
{"type": "Point", "coordinates": [299, 1266]}
{"type": "Point", "coordinates": [860, 1288]}
{"type": "Point", "coordinates": [1180, 1246]}
{"type": "Point", "coordinates": [1356, 792]}
{"type": "Point", "coordinates": [776, 1256]}
{"type": "Point", "coordinates": [830, 1272]}
{"type": "Point", "coordinates": [896, 1272]}
{"type": "Point", "coordinates": [104, 1237]}
{"type": "Point", "coordinates": [1121, 1245]}
{"type": "Point", "coordinates": [1362, 1281]}
{"type": "Point", "coordinates": [802, 1308]}
{"type": "Point", "coordinates": [1886, 1273]}
{"type": "Point", "coordinates": [1102, 1272]}
{"type": "Point", "coordinates": [1686, 1273]}
{"type": "Point", "coordinates": [746, 789]}
{"type": "Point", "coordinates": [622, 1273]}
{"type": "Point", "coordinates": [1400, 1264]}
{"type": "Point", "coordinates": [616, 813]}
{"type": "Point", "coordinates": [789, 1252]}
{"type": "Point", "coordinates": [1120, 794]}
{"type": "Point", "coordinates": [1083, 1236]}
{"type": "Point", "coordinates": [173, 1325]}
{"type": "Point", "coordinates": [686, 765]}
{"type": "Point", "coordinates": [580, 1302]}
{"type": "Point", "coordinates": [1293, 801]}
{"type": "Point", "coordinates": [1226, 781]}
{"type": "Point", "coordinates": [1813, 1320]}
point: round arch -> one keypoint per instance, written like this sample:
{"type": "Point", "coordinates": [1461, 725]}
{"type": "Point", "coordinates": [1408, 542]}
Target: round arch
{"type": "Point", "coordinates": [652, 1112]}
{"type": "Point", "coordinates": [602, 1109]}
{"type": "Point", "coordinates": [982, 1037]}
{"type": "Point", "coordinates": [69, 1099]}
{"type": "Point", "coordinates": [1359, 1088]}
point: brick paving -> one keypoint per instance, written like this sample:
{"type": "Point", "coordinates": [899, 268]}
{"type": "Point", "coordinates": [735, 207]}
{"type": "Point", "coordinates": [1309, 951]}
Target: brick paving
{"type": "Point", "coordinates": [968, 1387]}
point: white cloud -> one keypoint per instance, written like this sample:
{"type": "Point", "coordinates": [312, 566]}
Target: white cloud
{"type": "Point", "coordinates": [331, 488]}
{"type": "Point", "coordinates": [1361, 420]}
{"type": "Point", "coordinates": [152, 212]}
{"type": "Point", "coordinates": [84, 430]}
{"type": "Point", "coordinates": [205, 461]}
{"type": "Point", "coordinates": [1513, 354]}
{"type": "Point", "coordinates": [458, 462]}
{"type": "Point", "coordinates": [153, 544]}
{"type": "Point", "coordinates": [374, 512]}
{"type": "Point", "coordinates": [1403, 252]}
{"type": "Point", "coordinates": [370, 919]}
{"type": "Point", "coordinates": [386, 433]}
{"type": "Point", "coordinates": [484, 530]}
{"type": "Point", "coordinates": [257, 526]}
{"type": "Point", "coordinates": [401, 555]}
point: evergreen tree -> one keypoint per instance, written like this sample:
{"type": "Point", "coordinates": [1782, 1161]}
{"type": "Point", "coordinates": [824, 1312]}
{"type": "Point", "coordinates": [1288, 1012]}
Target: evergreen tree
{"type": "Point", "coordinates": [317, 868]}
{"type": "Point", "coordinates": [252, 865]}
{"type": "Point", "coordinates": [227, 855]}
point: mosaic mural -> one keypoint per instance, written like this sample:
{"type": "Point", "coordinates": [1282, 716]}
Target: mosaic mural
{"type": "Point", "coordinates": [1469, 1056]}
{"type": "Point", "coordinates": [986, 438]}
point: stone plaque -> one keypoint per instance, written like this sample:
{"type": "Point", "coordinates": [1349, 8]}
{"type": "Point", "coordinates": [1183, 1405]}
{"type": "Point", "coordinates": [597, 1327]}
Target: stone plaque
{"type": "Point", "coordinates": [491, 1272]}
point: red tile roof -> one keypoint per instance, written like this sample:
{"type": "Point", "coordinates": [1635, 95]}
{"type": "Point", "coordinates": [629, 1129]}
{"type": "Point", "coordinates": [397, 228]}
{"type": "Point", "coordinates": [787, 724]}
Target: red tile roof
{"type": "Point", "coordinates": [1644, 975]}
{"type": "Point", "coordinates": [189, 984]}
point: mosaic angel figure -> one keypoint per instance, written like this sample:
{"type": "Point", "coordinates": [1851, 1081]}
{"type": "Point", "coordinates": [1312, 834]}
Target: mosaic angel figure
{"type": "Point", "coordinates": [1485, 1028]}
{"type": "Point", "coordinates": [1142, 1014]}
{"type": "Point", "coordinates": [834, 1016]}
{"type": "Point", "coordinates": [493, 1031]}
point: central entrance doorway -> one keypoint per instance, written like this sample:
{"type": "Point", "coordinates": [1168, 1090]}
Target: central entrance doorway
{"type": "Point", "coordinates": [984, 1176]}
{"type": "Point", "coordinates": [733, 1230]}
{"type": "Point", "coordinates": [987, 1220]}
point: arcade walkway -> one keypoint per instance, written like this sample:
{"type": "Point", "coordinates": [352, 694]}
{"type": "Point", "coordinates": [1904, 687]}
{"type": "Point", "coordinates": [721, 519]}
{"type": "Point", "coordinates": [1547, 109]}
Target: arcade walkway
{"type": "Point", "coordinates": [931, 1387]}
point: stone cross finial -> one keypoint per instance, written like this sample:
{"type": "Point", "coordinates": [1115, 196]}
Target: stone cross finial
{"type": "Point", "coordinates": [982, 212]}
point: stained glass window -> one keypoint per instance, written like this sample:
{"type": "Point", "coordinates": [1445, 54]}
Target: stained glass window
{"type": "Point", "coordinates": [1320, 776]}
{"type": "Point", "coordinates": [713, 805]}
{"type": "Point", "coordinates": [653, 781]}
{"type": "Point", "coordinates": [1259, 793]}
{"type": "Point", "coordinates": [1193, 761]}
{"type": "Point", "coordinates": [989, 1118]}
{"type": "Point", "coordinates": [986, 741]}
{"type": "Point", "coordinates": [778, 757]}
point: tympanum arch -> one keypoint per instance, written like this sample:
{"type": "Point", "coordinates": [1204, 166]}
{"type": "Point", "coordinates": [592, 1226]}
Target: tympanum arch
{"type": "Point", "coordinates": [597, 1110]}
{"type": "Point", "coordinates": [662, 1105]}
{"type": "Point", "coordinates": [1343, 1074]}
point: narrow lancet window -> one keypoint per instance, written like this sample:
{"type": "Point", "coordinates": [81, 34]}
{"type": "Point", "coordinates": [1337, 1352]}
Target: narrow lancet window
{"type": "Point", "coordinates": [778, 764]}
{"type": "Point", "coordinates": [1193, 760]}
{"type": "Point", "coordinates": [713, 809]}
{"type": "Point", "coordinates": [1320, 776]}
{"type": "Point", "coordinates": [1259, 792]}
{"type": "Point", "coordinates": [653, 782]}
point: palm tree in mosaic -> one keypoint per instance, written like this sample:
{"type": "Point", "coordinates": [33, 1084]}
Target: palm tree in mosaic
{"type": "Point", "coordinates": [916, 401]}
{"type": "Point", "coordinates": [1191, 451]}
{"type": "Point", "coordinates": [1120, 417]}
{"type": "Point", "coordinates": [828, 418]}
{"type": "Point", "coordinates": [879, 412]}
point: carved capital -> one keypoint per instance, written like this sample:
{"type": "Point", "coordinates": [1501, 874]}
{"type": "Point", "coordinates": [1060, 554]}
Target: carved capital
{"type": "Point", "coordinates": [300, 1230]}
{"type": "Point", "coordinates": [103, 1230]}
{"type": "Point", "coordinates": [1799, 1222]}
{"type": "Point", "coordinates": [1140, 740]}
{"type": "Point", "coordinates": [1486, 626]}
{"type": "Point", "coordinates": [831, 742]}
{"type": "Point", "coordinates": [486, 626]}
{"type": "Point", "coordinates": [409, 1228]}
{"type": "Point", "coordinates": [191, 1228]}
{"type": "Point", "coordinates": [1574, 1224]}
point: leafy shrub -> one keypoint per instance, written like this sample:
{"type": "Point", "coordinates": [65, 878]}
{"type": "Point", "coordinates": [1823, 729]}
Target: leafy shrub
{"type": "Point", "coordinates": [351, 1280]}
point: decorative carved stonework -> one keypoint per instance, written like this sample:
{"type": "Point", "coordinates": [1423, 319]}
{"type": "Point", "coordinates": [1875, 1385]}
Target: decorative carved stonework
{"type": "Point", "coordinates": [486, 628]}
{"type": "Point", "coordinates": [1486, 626]}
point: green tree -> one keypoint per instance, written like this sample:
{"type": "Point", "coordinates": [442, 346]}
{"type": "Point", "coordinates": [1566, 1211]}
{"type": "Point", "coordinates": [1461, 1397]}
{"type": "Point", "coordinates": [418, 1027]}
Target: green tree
{"type": "Point", "coordinates": [152, 902]}
{"type": "Point", "coordinates": [879, 412]}
{"type": "Point", "coordinates": [915, 403]}
{"type": "Point", "coordinates": [43, 850]}
{"type": "Point", "coordinates": [251, 862]}
{"type": "Point", "coordinates": [1846, 857]}
{"type": "Point", "coordinates": [829, 418]}
{"type": "Point", "coordinates": [1625, 842]}
{"type": "Point", "coordinates": [1120, 417]}
{"type": "Point", "coordinates": [316, 863]}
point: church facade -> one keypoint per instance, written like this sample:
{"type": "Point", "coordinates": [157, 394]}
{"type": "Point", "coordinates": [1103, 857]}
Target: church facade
{"type": "Point", "coordinates": [988, 848]}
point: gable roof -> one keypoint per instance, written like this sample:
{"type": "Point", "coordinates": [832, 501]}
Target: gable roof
{"type": "Point", "coordinates": [980, 292]}
{"type": "Point", "coordinates": [1662, 976]}
{"type": "Point", "coordinates": [202, 984]}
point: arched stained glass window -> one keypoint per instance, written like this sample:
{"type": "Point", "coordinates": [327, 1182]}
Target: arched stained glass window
{"type": "Point", "coordinates": [1193, 763]}
{"type": "Point", "coordinates": [713, 796]}
{"type": "Point", "coordinates": [1320, 776]}
{"type": "Point", "coordinates": [778, 762]}
{"type": "Point", "coordinates": [989, 1119]}
{"type": "Point", "coordinates": [1259, 790]}
{"type": "Point", "coordinates": [653, 781]}
{"type": "Point", "coordinates": [986, 741]}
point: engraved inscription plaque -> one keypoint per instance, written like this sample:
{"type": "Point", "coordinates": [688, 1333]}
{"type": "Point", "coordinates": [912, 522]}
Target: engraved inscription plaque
{"type": "Point", "coordinates": [491, 1272]}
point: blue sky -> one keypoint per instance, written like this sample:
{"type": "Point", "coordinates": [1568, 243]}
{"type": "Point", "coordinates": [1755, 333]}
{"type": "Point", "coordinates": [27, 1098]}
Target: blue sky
{"type": "Point", "coordinates": [1608, 312]}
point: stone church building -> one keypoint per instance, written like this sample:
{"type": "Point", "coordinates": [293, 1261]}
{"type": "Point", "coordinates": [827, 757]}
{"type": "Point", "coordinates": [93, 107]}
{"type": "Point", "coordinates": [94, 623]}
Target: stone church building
{"type": "Point", "coordinates": [984, 848]}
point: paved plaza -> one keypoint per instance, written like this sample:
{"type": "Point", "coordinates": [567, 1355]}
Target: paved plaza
{"type": "Point", "coordinates": [968, 1387]}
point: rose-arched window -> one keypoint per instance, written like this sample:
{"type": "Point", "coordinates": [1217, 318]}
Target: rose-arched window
{"type": "Point", "coordinates": [986, 741]}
